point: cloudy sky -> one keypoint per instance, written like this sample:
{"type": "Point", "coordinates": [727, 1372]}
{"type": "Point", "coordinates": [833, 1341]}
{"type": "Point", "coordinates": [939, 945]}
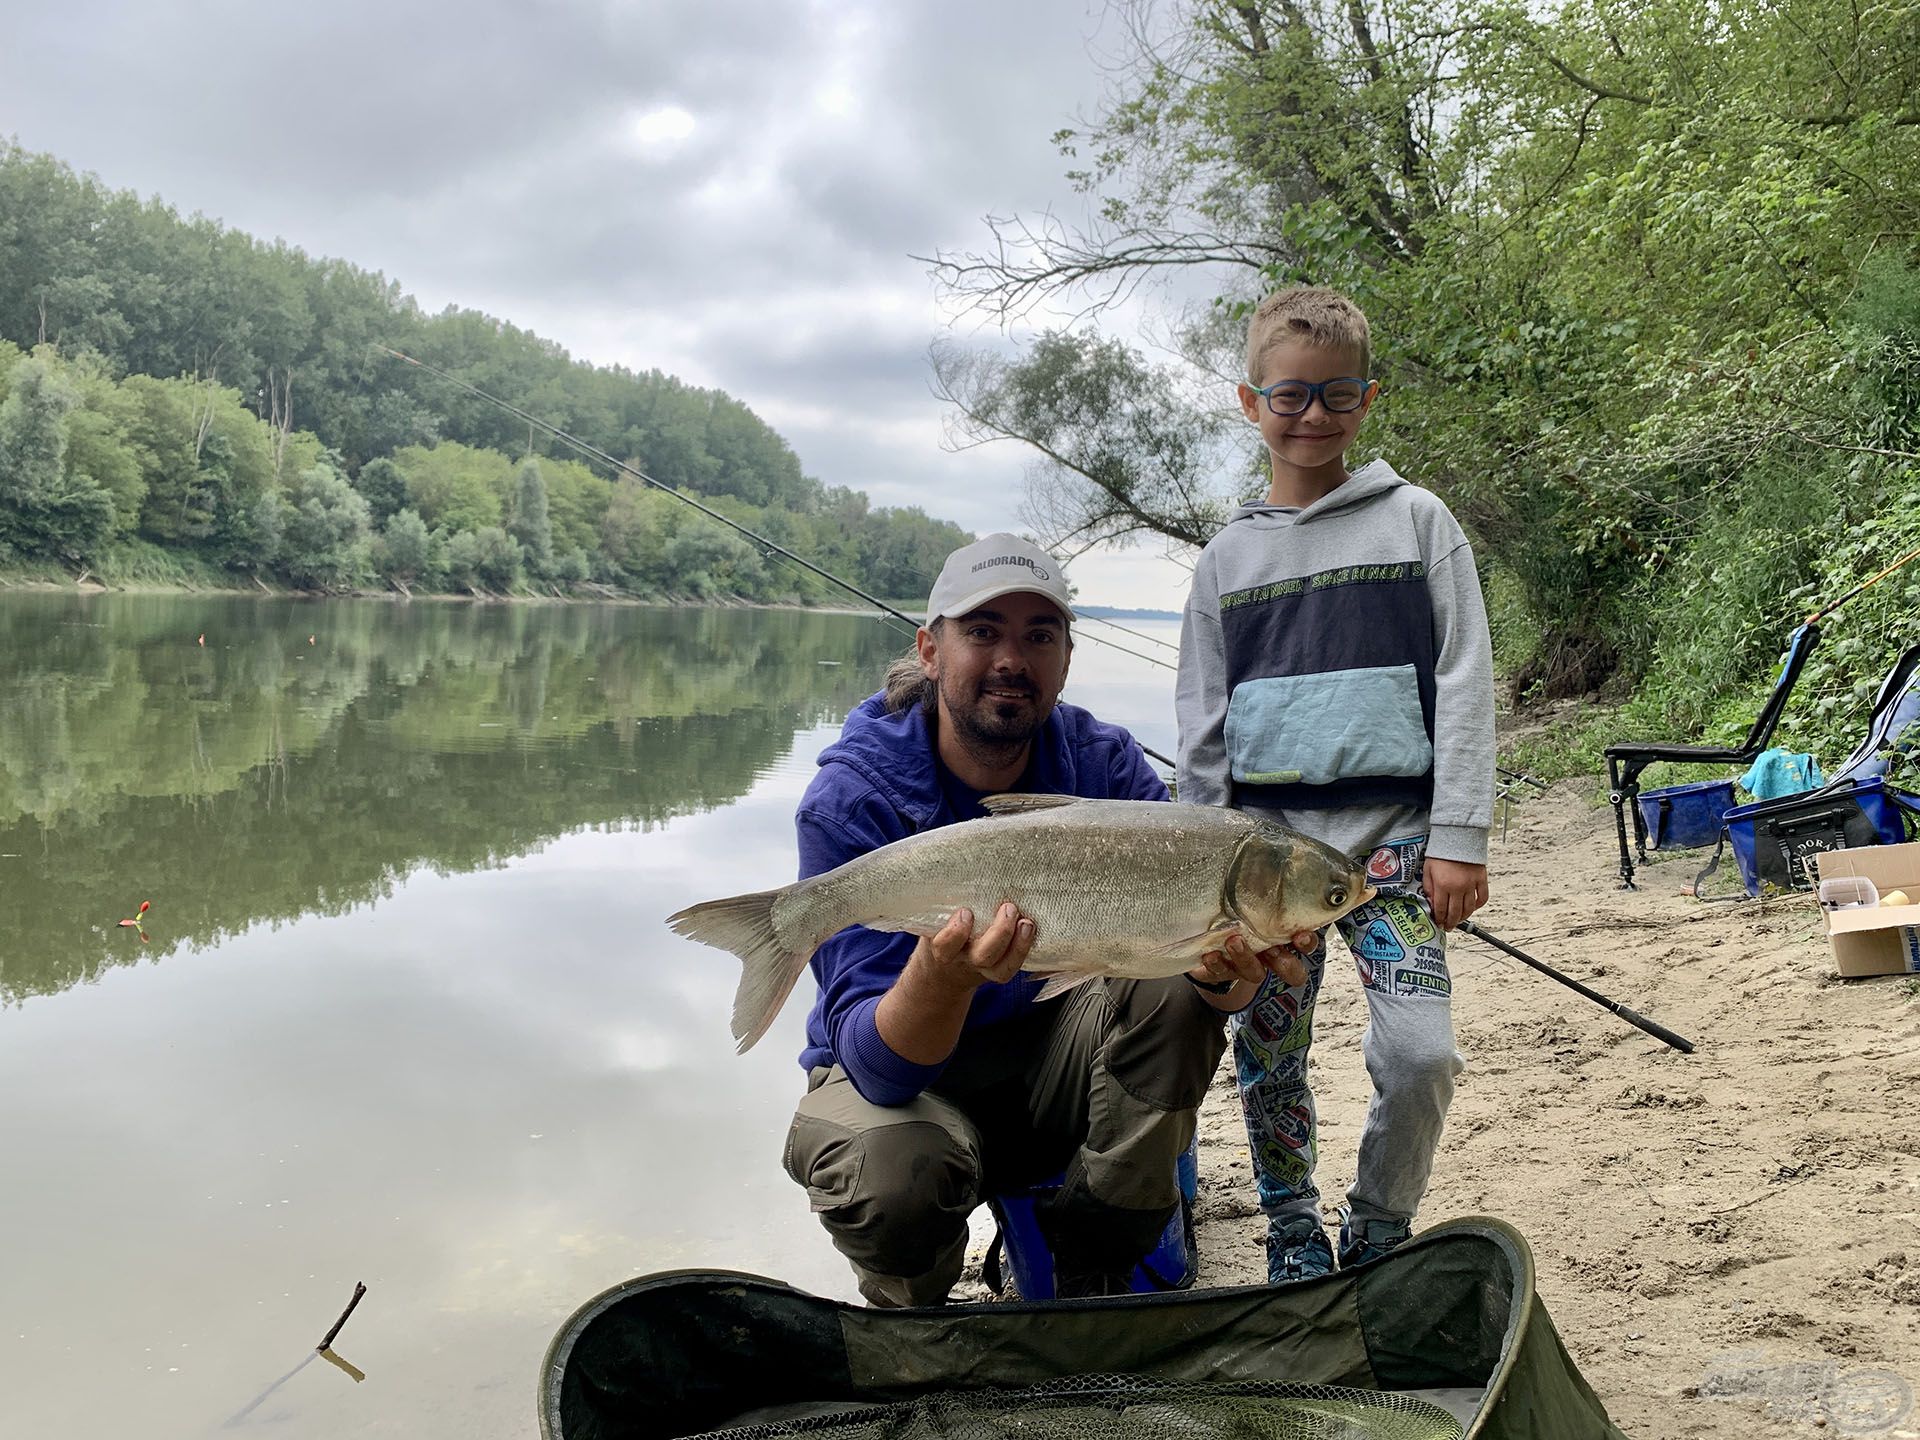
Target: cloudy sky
{"type": "Point", "coordinates": [728, 190]}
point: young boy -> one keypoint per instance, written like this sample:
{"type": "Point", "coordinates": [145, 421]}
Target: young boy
{"type": "Point", "coordinates": [1336, 674]}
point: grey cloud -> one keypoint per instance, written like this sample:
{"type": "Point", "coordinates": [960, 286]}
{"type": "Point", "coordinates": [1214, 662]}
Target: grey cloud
{"type": "Point", "coordinates": [483, 155]}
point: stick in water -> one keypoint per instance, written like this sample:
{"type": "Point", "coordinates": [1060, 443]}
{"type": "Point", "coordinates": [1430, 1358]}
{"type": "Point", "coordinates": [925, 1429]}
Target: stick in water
{"type": "Point", "coordinates": [326, 1340]}
{"type": "Point", "coordinates": [1633, 1018]}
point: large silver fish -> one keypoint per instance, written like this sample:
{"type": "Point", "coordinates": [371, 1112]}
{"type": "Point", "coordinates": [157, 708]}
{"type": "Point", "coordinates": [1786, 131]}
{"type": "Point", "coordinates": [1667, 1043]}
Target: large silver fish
{"type": "Point", "coordinates": [1137, 889]}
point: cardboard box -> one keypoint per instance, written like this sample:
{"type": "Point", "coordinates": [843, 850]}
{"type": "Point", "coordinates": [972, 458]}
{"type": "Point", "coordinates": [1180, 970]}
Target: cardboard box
{"type": "Point", "coordinates": [1875, 939]}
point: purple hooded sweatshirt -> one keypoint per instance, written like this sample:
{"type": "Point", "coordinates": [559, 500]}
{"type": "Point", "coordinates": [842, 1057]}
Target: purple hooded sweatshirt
{"type": "Point", "coordinates": [880, 783]}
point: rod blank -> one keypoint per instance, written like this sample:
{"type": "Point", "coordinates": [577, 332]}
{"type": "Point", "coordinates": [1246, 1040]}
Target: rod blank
{"type": "Point", "coordinates": [1632, 1017]}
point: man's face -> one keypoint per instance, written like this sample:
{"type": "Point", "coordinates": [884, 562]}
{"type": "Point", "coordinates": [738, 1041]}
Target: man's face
{"type": "Point", "coordinates": [998, 670]}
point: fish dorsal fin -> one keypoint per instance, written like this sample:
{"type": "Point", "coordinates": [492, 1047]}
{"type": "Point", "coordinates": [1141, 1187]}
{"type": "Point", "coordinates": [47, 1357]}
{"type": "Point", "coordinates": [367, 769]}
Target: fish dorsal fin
{"type": "Point", "coordinates": [1019, 804]}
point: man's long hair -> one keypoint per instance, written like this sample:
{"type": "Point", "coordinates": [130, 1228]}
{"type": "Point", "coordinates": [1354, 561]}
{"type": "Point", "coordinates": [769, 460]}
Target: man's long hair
{"type": "Point", "coordinates": [907, 684]}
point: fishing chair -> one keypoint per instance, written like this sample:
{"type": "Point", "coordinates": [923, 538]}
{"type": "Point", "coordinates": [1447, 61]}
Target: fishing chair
{"type": "Point", "coordinates": [1772, 839]}
{"type": "Point", "coordinates": [1626, 762]}
{"type": "Point", "coordinates": [1896, 706]}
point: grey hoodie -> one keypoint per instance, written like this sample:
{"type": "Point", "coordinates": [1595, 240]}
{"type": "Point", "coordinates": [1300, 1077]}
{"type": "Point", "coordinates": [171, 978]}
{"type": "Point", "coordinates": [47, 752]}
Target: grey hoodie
{"type": "Point", "coordinates": [1336, 671]}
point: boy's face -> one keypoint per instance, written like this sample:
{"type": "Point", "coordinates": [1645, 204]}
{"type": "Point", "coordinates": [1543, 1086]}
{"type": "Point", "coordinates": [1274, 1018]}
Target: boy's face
{"type": "Point", "coordinates": [1316, 438]}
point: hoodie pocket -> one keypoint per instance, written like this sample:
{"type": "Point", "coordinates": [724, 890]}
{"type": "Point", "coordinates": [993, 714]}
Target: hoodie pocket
{"type": "Point", "coordinates": [1315, 729]}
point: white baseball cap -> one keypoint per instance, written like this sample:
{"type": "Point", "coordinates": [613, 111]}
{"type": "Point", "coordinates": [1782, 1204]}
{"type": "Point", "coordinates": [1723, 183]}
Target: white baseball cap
{"type": "Point", "coordinates": [993, 566]}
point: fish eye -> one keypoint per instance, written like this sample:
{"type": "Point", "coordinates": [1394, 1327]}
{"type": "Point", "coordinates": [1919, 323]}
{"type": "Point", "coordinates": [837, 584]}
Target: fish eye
{"type": "Point", "coordinates": [1336, 895]}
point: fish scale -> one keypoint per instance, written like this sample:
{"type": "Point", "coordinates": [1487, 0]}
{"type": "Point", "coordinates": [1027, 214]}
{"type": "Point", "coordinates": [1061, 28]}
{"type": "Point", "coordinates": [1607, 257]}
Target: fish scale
{"type": "Point", "coordinates": [1129, 888]}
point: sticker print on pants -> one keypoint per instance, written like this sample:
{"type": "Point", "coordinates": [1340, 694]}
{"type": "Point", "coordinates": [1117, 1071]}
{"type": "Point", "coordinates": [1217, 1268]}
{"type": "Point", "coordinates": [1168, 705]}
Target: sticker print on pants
{"type": "Point", "coordinates": [1398, 950]}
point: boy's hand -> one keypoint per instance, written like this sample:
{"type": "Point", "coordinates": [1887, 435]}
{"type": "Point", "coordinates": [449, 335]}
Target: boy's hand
{"type": "Point", "coordinates": [1454, 890]}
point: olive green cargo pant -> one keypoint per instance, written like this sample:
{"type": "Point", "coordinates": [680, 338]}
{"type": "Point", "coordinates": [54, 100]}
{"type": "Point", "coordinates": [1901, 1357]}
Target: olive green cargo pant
{"type": "Point", "coordinates": [1105, 1082]}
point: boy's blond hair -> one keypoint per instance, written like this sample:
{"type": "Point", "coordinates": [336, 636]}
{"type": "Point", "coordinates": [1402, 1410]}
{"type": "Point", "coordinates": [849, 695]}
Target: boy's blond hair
{"type": "Point", "coordinates": [1313, 315]}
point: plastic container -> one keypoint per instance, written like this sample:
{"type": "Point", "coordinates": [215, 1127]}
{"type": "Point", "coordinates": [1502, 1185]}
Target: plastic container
{"type": "Point", "coordinates": [1685, 817]}
{"type": "Point", "coordinates": [1848, 892]}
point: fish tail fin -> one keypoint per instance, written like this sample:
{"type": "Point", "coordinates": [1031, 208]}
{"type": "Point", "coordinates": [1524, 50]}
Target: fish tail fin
{"type": "Point", "coordinates": [770, 965]}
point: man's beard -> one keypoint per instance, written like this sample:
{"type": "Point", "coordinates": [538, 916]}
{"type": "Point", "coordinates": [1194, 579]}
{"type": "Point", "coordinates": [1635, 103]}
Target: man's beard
{"type": "Point", "coordinates": [993, 729]}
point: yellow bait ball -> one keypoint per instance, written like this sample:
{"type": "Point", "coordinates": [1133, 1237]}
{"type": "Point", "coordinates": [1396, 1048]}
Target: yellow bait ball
{"type": "Point", "coordinates": [1895, 897]}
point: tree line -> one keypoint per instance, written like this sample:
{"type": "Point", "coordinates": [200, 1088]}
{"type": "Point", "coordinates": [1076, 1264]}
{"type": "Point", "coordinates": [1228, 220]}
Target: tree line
{"type": "Point", "coordinates": [1644, 282]}
{"type": "Point", "coordinates": [181, 400]}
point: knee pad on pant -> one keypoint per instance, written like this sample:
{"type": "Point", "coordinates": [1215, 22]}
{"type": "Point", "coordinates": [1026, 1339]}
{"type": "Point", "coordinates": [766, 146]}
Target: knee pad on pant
{"type": "Point", "coordinates": [894, 1197]}
{"type": "Point", "coordinates": [1166, 1044]}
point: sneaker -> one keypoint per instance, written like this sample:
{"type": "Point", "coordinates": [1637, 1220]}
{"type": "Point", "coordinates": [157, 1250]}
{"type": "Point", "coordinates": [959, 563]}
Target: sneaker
{"type": "Point", "coordinates": [1298, 1250]}
{"type": "Point", "coordinates": [1370, 1239]}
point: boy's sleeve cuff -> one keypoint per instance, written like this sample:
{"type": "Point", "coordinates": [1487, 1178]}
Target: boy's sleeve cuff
{"type": "Point", "coordinates": [1464, 843]}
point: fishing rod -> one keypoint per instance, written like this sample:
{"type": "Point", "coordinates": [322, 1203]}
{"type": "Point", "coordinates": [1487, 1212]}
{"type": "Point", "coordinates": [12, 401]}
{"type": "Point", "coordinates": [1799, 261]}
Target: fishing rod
{"type": "Point", "coordinates": [768, 546]}
{"type": "Point", "coordinates": [1827, 610]}
{"type": "Point", "coordinates": [1632, 1017]}
{"type": "Point", "coordinates": [1137, 634]}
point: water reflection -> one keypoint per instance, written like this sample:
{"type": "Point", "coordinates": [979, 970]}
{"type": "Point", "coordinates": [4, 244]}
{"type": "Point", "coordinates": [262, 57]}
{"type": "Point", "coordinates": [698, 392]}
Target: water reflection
{"type": "Point", "coordinates": [489, 1095]}
{"type": "Point", "coordinates": [307, 757]}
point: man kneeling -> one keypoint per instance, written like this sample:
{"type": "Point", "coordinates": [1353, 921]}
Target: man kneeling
{"type": "Point", "coordinates": [936, 1078]}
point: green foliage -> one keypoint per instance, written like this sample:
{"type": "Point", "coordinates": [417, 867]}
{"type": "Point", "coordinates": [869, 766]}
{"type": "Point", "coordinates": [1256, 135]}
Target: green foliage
{"type": "Point", "coordinates": [202, 373]}
{"type": "Point", "coordinates": [571, 566]}
{"type": "Point", "coordinates": [453, 486]}
{"type": "Point", "coordinates": [1643, 281]}
{"type": "Point", "coordinates": [1124, 449]}
{"type": "Point", "coordinates": [529, 523]}
{"type": "Point", "coordinates": [327, 532]}
{"type": "Point", "coordinates": [405, 549]}
{"type": "Point", "coordinates": [496, 558]}
{"type": "Point", "coordinates": [46, 508]}
{"type": "Point", "coordinates": [384, 487]}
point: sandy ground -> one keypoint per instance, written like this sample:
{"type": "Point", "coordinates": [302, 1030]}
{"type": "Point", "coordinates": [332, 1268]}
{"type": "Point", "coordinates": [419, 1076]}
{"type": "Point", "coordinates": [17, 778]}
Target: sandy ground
{"type": "Point", "coordinates": [1728, 1242]}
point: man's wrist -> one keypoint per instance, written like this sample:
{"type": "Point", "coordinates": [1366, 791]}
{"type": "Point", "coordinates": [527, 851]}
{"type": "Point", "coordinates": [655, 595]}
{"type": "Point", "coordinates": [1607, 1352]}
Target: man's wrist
{"type": "Point", "coordinates": [1212, 987]}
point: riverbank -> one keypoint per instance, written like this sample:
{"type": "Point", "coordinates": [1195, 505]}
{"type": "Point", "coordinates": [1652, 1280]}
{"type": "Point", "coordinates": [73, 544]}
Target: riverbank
{"type": "Point", "coordinates": [1727, 1240]}
{"type": "Point", "coordinates": [37, 583]}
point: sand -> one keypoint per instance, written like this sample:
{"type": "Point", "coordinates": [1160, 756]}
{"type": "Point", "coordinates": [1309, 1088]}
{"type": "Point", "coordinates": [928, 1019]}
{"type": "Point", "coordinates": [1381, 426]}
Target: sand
{"type": "Point", "coordinates": [1728, 1242]}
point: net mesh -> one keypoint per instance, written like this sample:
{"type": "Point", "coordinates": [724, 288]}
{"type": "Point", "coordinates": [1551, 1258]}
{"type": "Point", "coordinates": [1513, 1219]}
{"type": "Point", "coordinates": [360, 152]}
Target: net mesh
{"type": "Point", "coordinates": [1127, 1407]}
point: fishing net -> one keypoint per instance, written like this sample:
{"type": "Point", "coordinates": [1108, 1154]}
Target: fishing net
{"type": "Point", "coordinates": [1127, 1407]}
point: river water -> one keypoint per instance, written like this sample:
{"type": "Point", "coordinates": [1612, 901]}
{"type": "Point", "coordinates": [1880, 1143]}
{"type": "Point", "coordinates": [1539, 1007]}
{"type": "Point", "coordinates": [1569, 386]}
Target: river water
{"type": "Point", "coordinates": [405, 1011]}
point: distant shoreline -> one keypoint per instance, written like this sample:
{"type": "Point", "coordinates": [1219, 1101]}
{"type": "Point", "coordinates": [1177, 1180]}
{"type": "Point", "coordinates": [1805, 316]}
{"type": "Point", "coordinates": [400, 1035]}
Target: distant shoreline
{"type": "Point", "coordinates": [40, 584]}
{"type": "Point", "coordinates": [1109, 612]}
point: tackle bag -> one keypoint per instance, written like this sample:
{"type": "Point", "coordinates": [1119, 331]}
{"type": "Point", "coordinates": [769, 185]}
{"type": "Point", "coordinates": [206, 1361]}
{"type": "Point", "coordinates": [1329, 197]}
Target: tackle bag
{"type": "Point", "coordinates": [1172, 1265]}
{"type": "Point", "coordinates": [1685, 817]}
{"type": "Point", "coordinates": [1772, 839]}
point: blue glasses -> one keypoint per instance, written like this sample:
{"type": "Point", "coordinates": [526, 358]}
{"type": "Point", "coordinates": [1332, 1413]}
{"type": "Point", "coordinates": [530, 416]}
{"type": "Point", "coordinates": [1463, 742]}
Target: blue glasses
{"type": "Point", "coordinates": [1341, 395]}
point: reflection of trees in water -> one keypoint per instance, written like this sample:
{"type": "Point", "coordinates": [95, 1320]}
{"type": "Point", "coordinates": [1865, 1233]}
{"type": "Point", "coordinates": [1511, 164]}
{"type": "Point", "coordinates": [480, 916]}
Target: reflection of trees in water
{"type": "Point", "coordinates": [263, 777]}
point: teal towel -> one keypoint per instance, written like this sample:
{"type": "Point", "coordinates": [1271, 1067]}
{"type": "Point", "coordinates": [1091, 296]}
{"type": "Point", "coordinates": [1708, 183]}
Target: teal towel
{"type": "Point", "coordinates": [1780, 772]}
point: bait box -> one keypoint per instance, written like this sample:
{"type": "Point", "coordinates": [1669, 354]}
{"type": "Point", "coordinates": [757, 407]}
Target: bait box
{"type": "Point", "coordinates": [1874, 939]}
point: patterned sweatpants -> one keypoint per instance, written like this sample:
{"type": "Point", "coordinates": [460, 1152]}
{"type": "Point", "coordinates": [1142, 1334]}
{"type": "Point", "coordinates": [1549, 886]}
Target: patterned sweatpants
{"type": "Point", "coordinates": [1401, 955]}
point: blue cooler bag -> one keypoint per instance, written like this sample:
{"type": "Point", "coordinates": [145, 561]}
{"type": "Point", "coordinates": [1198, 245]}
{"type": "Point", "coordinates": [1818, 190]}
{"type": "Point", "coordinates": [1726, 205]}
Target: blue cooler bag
{"type": "Point", "coordinates": [1171, 1266]}
{"type": "Point", "coordinates": [1772, 838]}
{"type": "Point", "coordinates": [1685, 817]}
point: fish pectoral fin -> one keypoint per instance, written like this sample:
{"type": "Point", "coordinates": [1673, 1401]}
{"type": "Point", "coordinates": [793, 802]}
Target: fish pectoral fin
{"type": "Point", "coordinates": [1192, 947]}
{"type": "Point", "coordinates": [1016, 804]}
{"type": "Point", "coordinates": [1061, 981]}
